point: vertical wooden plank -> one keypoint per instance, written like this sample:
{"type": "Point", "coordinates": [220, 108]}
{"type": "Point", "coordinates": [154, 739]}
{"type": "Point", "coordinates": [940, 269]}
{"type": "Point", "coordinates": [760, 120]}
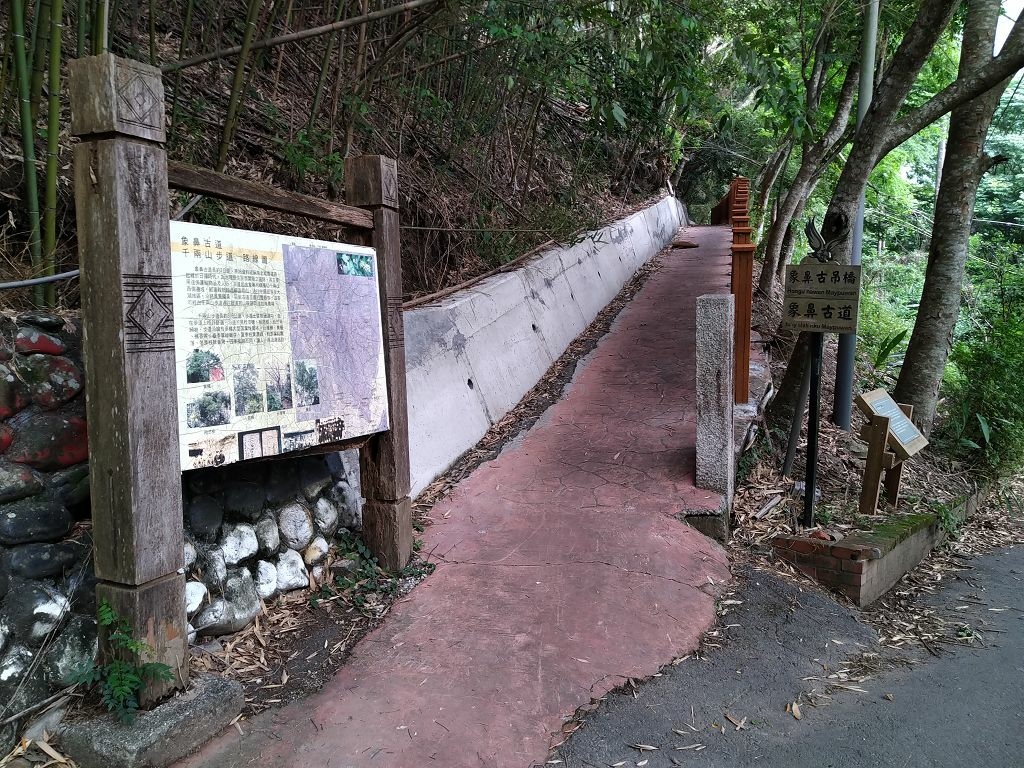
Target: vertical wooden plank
{"type": "Point", "coordinates": [742, 282]}
{"type": "Point", "coordinates": [873, 465]}
{"type": "Point", "coordinates": [371, 181]}
{"type": "Point", "coordinates": [151, 611]}
{"type": "Point", "coordinates": [894, 475]}
{"type": "Point", "coordinates": [122, 215]}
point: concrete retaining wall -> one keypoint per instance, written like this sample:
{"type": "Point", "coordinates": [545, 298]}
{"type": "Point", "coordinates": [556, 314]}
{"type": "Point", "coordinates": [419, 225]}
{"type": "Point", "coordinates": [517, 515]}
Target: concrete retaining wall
{"type": "Point", "coordinates": [472, 356]}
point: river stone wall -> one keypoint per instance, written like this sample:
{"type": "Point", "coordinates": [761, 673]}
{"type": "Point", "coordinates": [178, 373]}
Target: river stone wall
{"type": "Point", "coordinates": [252, 530]}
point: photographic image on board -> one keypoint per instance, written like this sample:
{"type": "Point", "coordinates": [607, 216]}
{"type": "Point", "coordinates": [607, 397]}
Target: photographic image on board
{"type": "Point", "coordinates": [307, 383]}
{"type": "Point", "coordinates": [210, 409]}
{"type": "Point", "coordinates": [211, 451]}
{"type": "Point", "coordinates": [258, 443]}
{"type": "Point", "coordinates": [294, 441]}
{"type": "Point", "coordinates": [279, 387]}
{"type": "Point", "coordinates": [248, 394]}
{"type": "Point", "coordinates": [355, 264]}
{"type": "Point", "coordinates": [202, 366]}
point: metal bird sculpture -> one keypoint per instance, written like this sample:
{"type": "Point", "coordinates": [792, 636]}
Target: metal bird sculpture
{"type": "Point", "coordinates": [821, 249]}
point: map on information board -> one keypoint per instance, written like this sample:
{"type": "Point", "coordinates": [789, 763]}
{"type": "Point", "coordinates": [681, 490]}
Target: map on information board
{"type": "Point", "coordinates": [278, 343]}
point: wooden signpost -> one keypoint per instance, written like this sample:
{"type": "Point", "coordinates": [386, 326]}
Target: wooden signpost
{"type": "Point", "coordinates": [892, 438]}
{"type": "Point", "coordinates": [822, 296]}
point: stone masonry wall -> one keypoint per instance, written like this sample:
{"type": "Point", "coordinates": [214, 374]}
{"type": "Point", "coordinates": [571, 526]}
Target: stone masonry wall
{"type": "Point", "coordinates": [47, 627]}
{"type": "Point", "coordinates": [252, 530]}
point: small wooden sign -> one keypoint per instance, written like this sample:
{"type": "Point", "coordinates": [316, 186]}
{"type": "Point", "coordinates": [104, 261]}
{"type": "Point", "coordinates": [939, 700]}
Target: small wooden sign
{"type": "Point", "coordinates": [821, 297]}
{"type": "Point", "coordinates": [904, 438]}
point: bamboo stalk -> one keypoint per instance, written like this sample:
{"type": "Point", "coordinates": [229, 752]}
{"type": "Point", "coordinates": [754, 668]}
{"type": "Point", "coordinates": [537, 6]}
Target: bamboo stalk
{"type": "Point", "coordinates": [52, 151]}
{"type": "Point", "coordinates": [152, 32]}
{"type": "Point", "coordinates": [5, 69]}
{"type": "Point", "coordinates": [322, 79]}
{"type": "Point", "coordinates": [80, 18]}
{"type": "Point", "coordinates": [186, 29]}
{"type": "Point", "coordinates": [280, 54]}
{"type": "Point", "coordinates": [257, 60]}
{"type": "Point", "coordinates": [237, 85]}
{"type": "Point", "coordinates": [294, 37]}
{"type": "Point", "coordinates": [360, 66]}
{"type": "Point", "coordinates": [39, 38]}
{"type": "Point", "coordinates": [100, 22]}
{"type": "Point", "coordinates": [28, 149]}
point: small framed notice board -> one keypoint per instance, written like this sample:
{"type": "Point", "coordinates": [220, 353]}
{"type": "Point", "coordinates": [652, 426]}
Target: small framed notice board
{"type": "Point", "coordinates": [905, 439]}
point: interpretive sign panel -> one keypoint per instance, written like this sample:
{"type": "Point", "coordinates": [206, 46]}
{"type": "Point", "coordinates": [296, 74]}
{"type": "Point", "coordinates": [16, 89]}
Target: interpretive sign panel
{"type": "Point", "coordinates": [905, 438]}
{"type": "Point", "coordinates": [821, 297]}
{"type": "Point", "coordinates": [278, 343]}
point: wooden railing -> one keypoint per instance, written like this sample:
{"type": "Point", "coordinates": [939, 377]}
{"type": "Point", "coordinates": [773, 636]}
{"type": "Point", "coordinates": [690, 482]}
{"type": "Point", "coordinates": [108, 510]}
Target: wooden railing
{"type": "Point", "coordinates": [734, 209]}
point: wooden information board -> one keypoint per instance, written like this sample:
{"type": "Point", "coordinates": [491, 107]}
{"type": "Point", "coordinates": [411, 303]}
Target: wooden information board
{"type": "Point", "coordinates": [905, 439]}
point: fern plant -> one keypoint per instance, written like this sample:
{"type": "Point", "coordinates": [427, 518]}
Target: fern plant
{"type": "Point", "coordinates": [120, 680]}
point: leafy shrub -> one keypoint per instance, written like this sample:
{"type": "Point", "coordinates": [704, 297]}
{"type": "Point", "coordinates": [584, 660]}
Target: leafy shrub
{"type": "Point", "coordinates": [986, 410]}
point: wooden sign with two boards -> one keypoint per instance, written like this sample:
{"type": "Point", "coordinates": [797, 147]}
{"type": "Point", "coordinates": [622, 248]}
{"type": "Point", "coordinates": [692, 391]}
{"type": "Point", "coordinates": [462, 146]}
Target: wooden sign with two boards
{"type": "Point", "coordinates": [821, 297]}
{"type": "Point", "coordinates": [892, 438]}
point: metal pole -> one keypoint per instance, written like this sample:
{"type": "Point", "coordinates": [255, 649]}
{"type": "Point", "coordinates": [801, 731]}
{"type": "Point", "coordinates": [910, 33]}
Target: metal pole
{"type": "Point", "coordinates": [798, 418]}
{"type": "Point", "coordinates": [842, 406]}
{"type": "Point", "coordinates": [813, 422]}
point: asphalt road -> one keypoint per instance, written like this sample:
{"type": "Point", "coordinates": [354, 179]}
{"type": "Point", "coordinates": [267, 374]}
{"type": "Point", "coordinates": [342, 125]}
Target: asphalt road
{"type": "Point", "coordinates": [963, 709]}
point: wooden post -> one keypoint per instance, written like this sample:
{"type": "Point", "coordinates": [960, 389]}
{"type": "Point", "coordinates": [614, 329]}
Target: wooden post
{"type": "Point", "coordinates": [117, 111]}
{"type": "Point", "coordinates": [894, 475]}
{"type": "Point", "coordinates": [878, 435]}
{"type": "Point", "coordinates": [371, 181]}
{"type": "Point", "coordinates": [743, 286]}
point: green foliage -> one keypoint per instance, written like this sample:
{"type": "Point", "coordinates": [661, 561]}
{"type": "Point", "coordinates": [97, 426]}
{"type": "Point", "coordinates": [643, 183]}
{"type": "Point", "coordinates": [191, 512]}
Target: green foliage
{"type": "Point", "coordinates": [202, 365]}
{"type": "Point", "coordinates": [307, 383]}
{"type": "Point", "coordinates": [985, 413]}
{"type": "Point", "coordinates": [121, 679]}
{"type": "Point", "coordinates": [947, 518]}
{"type": "Point", "coordinates": [248, 397]}
{"type": "Point", "coordinates": [879, 322]}
{"type": "Point", "coordinates": [306, 156]}
{"type": "Point", "coordinates": [986, 410]}
{"type": "Point", "coordinates": [366, 584]}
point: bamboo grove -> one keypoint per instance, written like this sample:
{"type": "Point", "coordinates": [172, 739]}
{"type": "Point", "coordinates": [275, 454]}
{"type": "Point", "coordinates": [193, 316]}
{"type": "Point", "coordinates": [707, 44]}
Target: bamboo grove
{"type": "Point", "coordinates": [514, 122]}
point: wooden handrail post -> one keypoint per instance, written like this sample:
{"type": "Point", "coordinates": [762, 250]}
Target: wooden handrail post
{"type": "Point", "coordinates": [121, 200]}
{"type": "Point", "coordinates": [371, 182]}
{"type": "Point", "coordinates": [742, 285]}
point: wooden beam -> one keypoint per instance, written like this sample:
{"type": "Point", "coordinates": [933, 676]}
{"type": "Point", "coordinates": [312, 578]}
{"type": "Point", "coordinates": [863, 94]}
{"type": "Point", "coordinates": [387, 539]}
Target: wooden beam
{"type": "Point", "coordinates": [873, 465]}
{"type": "Point", "coordinates": [189, 178]}
{"type": "Point", "coordinates": [121, 204]}
{"type": "Point", "coordinates": [372, 181]}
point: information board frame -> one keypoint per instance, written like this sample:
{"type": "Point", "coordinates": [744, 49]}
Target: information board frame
{"type": "Point", "coordinates": [283, 312]}
{"type": "Point", "coordinates": [905, 439]}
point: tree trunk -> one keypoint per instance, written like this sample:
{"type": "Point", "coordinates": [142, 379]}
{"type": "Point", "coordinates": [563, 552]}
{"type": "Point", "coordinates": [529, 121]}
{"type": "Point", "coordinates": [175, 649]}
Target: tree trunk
{"type": "Point", "coordinates": [812, 163]}
{"type": "Point", "coordinates": [766, 181]}
{"type": "Point", "coordinates": [796, 195]}
{"type": "Point", "coordinates": [964, 166]}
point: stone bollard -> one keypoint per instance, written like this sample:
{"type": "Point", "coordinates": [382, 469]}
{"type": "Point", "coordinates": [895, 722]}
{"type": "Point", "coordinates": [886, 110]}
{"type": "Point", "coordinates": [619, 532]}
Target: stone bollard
{"type": "Point", "coordinates": [716, 460]}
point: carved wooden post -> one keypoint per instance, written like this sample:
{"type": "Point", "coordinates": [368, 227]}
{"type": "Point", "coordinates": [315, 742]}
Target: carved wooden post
{"type": "Point", "coordinates": [117, 110]}
{"type": "Point", "coordinates": [371, 181]}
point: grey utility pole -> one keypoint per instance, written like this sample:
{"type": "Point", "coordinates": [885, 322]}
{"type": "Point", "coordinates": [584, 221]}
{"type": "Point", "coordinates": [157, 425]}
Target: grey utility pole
{"type": "Point", "coordinates": [843, 401]}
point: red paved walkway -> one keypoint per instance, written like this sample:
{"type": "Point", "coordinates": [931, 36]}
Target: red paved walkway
{"type": "Point", "coordinates": [562, 569]}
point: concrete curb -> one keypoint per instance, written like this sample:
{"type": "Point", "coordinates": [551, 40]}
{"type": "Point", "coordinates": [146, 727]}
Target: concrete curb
{"type": "Point", "coordinates": [160, 736]}
{"type": "Point", "coordinates": [866, 566]}
{"type": "Point", "coordinates": [473, 355]}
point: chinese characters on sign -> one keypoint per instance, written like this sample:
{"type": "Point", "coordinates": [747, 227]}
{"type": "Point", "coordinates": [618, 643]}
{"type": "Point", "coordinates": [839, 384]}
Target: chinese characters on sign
{"type": "Point", "coordinates": [821, 297]}
{"type": "Point", "coordinates": [278, 343]}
